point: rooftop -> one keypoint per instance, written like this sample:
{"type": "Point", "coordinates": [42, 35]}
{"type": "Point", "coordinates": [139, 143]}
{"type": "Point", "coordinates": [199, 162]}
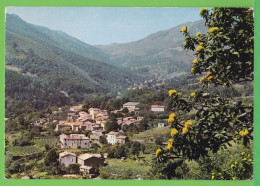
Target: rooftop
{"type": "Point", "coordinates": [87, 156]}
{"type": "Point", "coordinates": [66, 154]}
{"type": "Point", "coordinates": [132, 103]}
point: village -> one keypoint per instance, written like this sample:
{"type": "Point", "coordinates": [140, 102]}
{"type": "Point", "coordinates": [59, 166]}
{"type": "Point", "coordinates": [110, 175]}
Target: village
{"type": "Point", "coordinates": [94, 121]}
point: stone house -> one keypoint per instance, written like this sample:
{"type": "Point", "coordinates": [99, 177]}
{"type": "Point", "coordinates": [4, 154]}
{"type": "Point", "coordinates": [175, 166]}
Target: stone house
{"type": "Point", "coordinates": [91, 160]}
{"type": "Point", "coordinates": [75, 141]}
{"type": "Point", "coordinates": [67, 158]}
{"type": "Point", "coordinates": [160, 125]}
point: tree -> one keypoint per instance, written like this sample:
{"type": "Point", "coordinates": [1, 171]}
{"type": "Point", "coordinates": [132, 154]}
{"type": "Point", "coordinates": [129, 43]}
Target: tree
{"type": "Point", "coordinates": [103, 140]}
{"type": "Point", "coordinates": [135, 148]}
{"type": "Point", "coordinates": [111, 125]}
{"type": "Point", "coordinates": [73, 169]}
{"type": "Point", "coordinates": [51, 157]}
{"type": "Point", "coordinates": [125, 110]}
{"type": "Point", "coordinates": [225, 52]}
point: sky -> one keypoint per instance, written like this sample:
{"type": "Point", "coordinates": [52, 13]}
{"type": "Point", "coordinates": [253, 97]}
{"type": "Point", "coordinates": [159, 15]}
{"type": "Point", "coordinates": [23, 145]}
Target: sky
{"type": "Point", "coordinates": [107, 25]}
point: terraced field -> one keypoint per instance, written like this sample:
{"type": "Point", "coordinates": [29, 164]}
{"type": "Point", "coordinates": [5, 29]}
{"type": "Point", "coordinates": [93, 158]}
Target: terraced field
{"type": "Point", "coordinates": [24, 150]}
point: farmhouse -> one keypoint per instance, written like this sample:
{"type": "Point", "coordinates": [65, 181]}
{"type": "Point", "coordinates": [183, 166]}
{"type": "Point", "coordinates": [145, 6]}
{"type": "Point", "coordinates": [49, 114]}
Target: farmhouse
{"type": "Point", "coordinates": [116, 137]}
{"type": "Point", "coordinates": [157, 108]}
{"type": "Point", "coordinates": [132, 106]}
{"type": "Point", "coordinates": [75, 141]}
{"type": "Point", "coordinates": [91, 160]}
{"type": "Point", "coordinates": [67, 158]}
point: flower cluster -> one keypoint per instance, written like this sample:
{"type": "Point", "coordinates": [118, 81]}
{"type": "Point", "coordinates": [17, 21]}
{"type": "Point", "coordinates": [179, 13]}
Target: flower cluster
{"type": "Point", "coordinates": [158, 152]}
{"type": "Point", "coordinates": [171, 118]}
{"type": "Point", "coordinates": [202, 10]}
{"type": "Point", "coordinates": [170, 144]}
{"type": "Point", "coordinates": [243, 133]}
{"type": "Point", "coordinates": [200, 48]}
{"type": "Point", "coordinates": [213, 29]}
{"type": "Point", "coordinates": [174, 132]}
{"type": "Point", "coordinates": [187, 125]}
{"type": "Point", "coordinates": [192, 94]}
{"type": "Point", "coordinates": [184, 29]}
{"type": "Point", "coordinates": [171, 92]}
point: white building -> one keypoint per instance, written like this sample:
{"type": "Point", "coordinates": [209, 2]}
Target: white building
{"type": "Point", "coordinates": [160, 125]}
{"type": "Point", "coordinates": [157, 108]}
{"type": "Point", "coordinates": [116, 137]}
{"type": "Point", "coordinates": [132, 106]}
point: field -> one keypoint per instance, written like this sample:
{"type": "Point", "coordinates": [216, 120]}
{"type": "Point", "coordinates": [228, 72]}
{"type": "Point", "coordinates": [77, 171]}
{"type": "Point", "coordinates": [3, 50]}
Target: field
{"type": "Point", "coordinates": [24, 150]}
{"type": "Point", "coordinates": [152, 133]}
{"type": "Point", "coordinates": [135, 168]}
{"type": "Point", "coordinates": [41, 142]}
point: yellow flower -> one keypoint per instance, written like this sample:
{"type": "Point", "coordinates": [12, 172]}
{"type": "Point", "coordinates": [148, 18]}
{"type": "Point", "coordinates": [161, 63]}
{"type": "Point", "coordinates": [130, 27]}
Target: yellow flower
{"type": "Point", "coordinates": [208, 73]}
{"type": "Point", "coordinates": [171, 92]}
{"type": "Point", "coordinates": [248, 155]}
{"type": "Point", "coordinates": [210, 77]}
{"type": "Point", "coordinates": [184, 130]}
{"type": "Point", "coordinates": [179, 94]}
{"type": "Point", "coordinates": [202, 79]}
{"type": "Point", "coordinates": [200, 48]}
{"type": "Point", "coordinates": [234, 178]}
{"type": "Point", "coordinates": [184, 29]}
{"type": "Point", "coordinates": [170, 143]}
{"type": "Point", "coordinates": [219, 173]}
{"type": "Point", "coordinates": [171, 120]}
{"type": "Point", "coordinates": [192, 69]}
{"type": "Point", "coordinates": [188, 124]}
{"type": "Point", "coordinates": [235, 162]}
{"type": "Point", "coordinates": [202, 10]}
{"type": "Point", "coordinates": [212, 173]}
{"type": "Point", "coordinates": [172, 115]}
{"type": "Point", "coordinates": [158, 152]}
{"type": "Point", "coordinates": [212, 177]}
{"type": "Point", "coordinates": [201, 43]}
{"type": "Point", "coordinates": [169, 147]}
{"type": "Point", "coordinates": [244, 159]}
{"type": "Point", "coordinates": [198, 34]}
{"type": "Point", "coordinates": [242, 153]}
{"type": "Point", "coordinates": [232, 166]}
{"type": "Point", "coordinates": [243, 133]}
{"type": "Point", "coordinates": [192, 94]}
{"type": "Point", "coordinates": [195, 61]}
{"type": "Point", "coordinates": [213, 29]}
{"type": "Point", "coordinates": [250, 160]}
{"type": "Point", "coordinates": [174, 132]}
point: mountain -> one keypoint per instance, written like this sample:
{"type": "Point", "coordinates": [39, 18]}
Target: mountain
{"type": "Point", "coordinates": [56, 63]}
{"type": "Point", "coordinates": [160, 54]}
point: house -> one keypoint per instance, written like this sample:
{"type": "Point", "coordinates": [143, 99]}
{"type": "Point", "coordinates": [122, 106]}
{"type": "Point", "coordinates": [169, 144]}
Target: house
{"type": "Point", "coordinates": [116, 137]}
{"type": "Point", "coordinates": [132, 106]}
{"type": "Point", "coordinates": [93, 112]}
{"type": "Point", "coordinates": [95, 136]}
{"type": "Point", "coordinates": [76, 108]}
{"type": "Point", "coordinates": [67, 158]}
{"type": "Point", "coordinates": [91, 160]}
{"type": "Point", "coordinates": [160, 125]}
{"type": "Point", "coordinates": [72, 117]}
{"type": "Point", "coordinates": [157, 108]}
{"type": "Point", "coordinates": [75, 141]}
{"type": "Point", "coordinates": [139, 118]}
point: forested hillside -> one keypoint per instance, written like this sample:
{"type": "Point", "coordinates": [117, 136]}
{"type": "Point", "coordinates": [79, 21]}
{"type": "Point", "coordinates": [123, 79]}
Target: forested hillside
{"type": "Point", "coordinates": [58, 63]}
{"type": "Point", "coordinates": [160, 54]}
